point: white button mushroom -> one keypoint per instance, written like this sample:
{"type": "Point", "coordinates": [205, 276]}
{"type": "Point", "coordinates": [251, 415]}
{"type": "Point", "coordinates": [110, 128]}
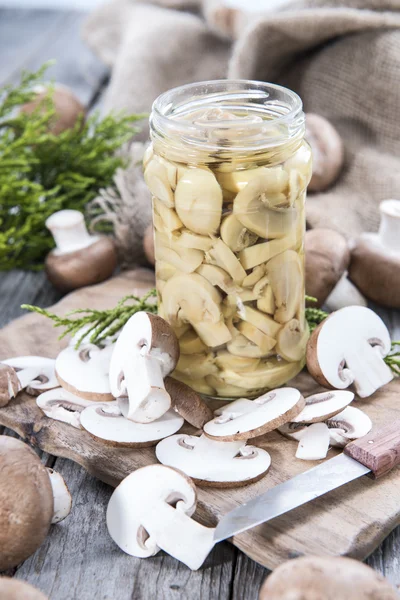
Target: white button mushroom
{"type": "Point", "coordinates": [34, 374]}
{"type": "Point", "coordinates": [213, 463]}
{"type": "Point", "coordinates": [28, 502]}
{"type": "Point", "coordinates": [349, 347]}
{"type": "Point", "coordinates": [245, 419]}
{"type": "Point", "coordinates": [151, 509]}
{"type": "Point", "coordinates": [61, 405]}
{"type": "Point", "coordinates": [146, 351]}
{"type": "Point", "coordinates": [322, 406]}
{"type": "Point", "coordinates": [79, 259]}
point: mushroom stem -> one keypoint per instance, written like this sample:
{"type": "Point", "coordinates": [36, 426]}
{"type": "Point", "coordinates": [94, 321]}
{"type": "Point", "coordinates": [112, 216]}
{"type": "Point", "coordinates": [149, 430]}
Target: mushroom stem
{"type": "Point", "coordinates": [389, 230]}
{"type": "Point", "coordinates": [69, 231]}
{"type": "Point", "coordinates": [62, 497]}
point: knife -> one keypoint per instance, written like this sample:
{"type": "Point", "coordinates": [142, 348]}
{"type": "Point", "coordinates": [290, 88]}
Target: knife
{"type": "Point", "coordinates": [374, 454]}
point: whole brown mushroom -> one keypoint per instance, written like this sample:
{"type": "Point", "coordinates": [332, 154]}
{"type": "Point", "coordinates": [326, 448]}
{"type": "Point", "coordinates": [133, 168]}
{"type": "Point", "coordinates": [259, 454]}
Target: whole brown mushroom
{"type": "Point", "coordinates": [27, 500]}
{"type": "Point", "coordinates": [68, 108]}
{"type": "Point", "coordinates": [148, 244]}
{"type": "Point", "coordinates": [375, 259]}
{"type": "Point", "coordinates": [14, 589]}
{"type": "Point", "coordinates": [326, 578]}
{"type": "Point", "coordinates": [327, 259]}
{"type": "Point", "coordinates": [79, 258]}
{"type": "Point", "coordinates": [328, 152]}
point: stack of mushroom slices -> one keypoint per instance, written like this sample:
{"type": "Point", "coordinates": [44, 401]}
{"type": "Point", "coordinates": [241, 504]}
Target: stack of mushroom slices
{"type": "Point", "coordinates": [220, 456]}
{"type": "Point", "coordinates": [326, 420]}
{"type": "Point", "coordinates": [120, 392]}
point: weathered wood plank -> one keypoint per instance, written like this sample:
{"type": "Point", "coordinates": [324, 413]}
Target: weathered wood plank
{"type": "Point", "coordinates": [79, 561]}
{"type": "Point", "coordinates": [28, 38]}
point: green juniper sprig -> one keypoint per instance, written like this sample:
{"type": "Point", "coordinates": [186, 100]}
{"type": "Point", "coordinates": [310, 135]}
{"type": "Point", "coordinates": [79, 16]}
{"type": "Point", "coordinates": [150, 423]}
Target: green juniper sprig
{"type": "Point", "coordinates": [314, 316]}
{"type": "Point", "coordinates": [41, 173]}
{"type": "Point", "coordinates": [97, 325]}
{"type": "Point", "coordinates": [393, 358]}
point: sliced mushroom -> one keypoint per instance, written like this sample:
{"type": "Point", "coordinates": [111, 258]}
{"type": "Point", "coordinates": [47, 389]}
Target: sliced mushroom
{"type": "Point", "coordinates": [198, 200]}
{"type": "Point", "coordinates": [27, 502]}
{"type": "Point", "coordinates": [157, 180]}
{"type": "Point", "coordinates": [261, 253]}
{"type": "Point", "coordinates": [196, 365]}
{"type": "Point", "coordinates": [35, 374]}
{"type": "Point", "coordinates": [348, 348]}
{"type": "Point", "coordinates": [267, 302]}
{"type": "Point", "coordinates": [285, 273]}
{"type": "Point", "coordinates": [190, 343]}
{"type": "Point", "coordinates": [61, 405]}
{"type": "Point", "coordinates": [214, 463]}
{"type": "Point", "coordinates": [192, 294]}
{"type": "Point", "coordinates": [106, 423]}
{"type": "Point", "coordinates": [235, 235]}
{"type": "Point", "coordinates": [213, 334]}
{"type": "Point", "coordinates": [350, 424]}
{"type": "Point", "coordinates": [9, 384]}
{"type": "Point", "coordinates": [270, 374]}
{"type": "Point", "coordinates": [314, 443]}
{"type": "Point", "coordinates": [252, 278]}
{"type": "Point", "coordinates": [169, 219]}
{"type": "Point", "coordinates": [322, 406]}
{"type": "Point", "coordinates": [226, 360]}
{"type": "Point", "coordinates": [200, 385]}
{"type": "Point", "coordinates": [62, 500]}
{"type": "Point", "coordinates": [188, 239]}
{"type": "Point", "coordinates": [186, 260]}
{"type": "Point", "coordinates": [164, 270]}
{"type": "Point", "coordinates": [263, 322]}
{"type": "Point", "coordinates": [291, 341]}
{"type": "Point", "coordinates": [218, 277]}
{"type": "Point", "coordinates": [84, 371]}
{"type": "Point", "coordinates": [235, 181]}
{"type": "Point", "coordinates": [265, 185]}
{"type": "Point", "coordinates": [223, 256]}
{"type": "Point", "coordinates": [187, 403]}
{"type": "Point", "coordinates": [148, 155]}
{"type": "Point", "coordinates": [147, 350]}
{"type": "Point", "coordinates": [151, 509]}
{"type": "Point", "coordinates": [255, 335]}
{"type": "Point", "coordinates": [223, 389]}
{"type": "Point", "coordinates": [244, 419]}
{"type": "Point", "coordinates": [241, 346]}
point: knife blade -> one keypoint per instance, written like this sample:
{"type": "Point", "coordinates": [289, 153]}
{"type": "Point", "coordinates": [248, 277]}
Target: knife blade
{"type": "Point", "coordinates": [377, 453]}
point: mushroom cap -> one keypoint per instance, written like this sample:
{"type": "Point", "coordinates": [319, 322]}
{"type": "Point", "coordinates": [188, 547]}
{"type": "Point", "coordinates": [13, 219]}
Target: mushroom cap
{"type": "Point", "coordinates": [327, 150]}
{"type": "Point", "coordinates": [87, 266]}
{"type": "Point", "coordinates": [141, 493]}
{"type": "Point", "coordinates": [68, 108]}
{"type": "Point", "coordinates": [327, 258]}
{"type": "Point", "coordinates": [146, 334]}
{"type": "Point", "coordinates": [14, 589]}
{"type": "Point", "coordinates": [244, 419]}
{"type": "Point", "coordinates": [85, 371]}
{"type": "Point", "coordinates": [324, 405]}
{"type": "Point", "coordinates": [61, 405]}
{"type": "Point", "coordinates": [375, 270]}
{"type": "Point", "coordinates": [328, 577]}
{"type": "Point", "coordinates": [26, 501]}
{"type": "Point", "coordinates": [46, 378]}
{"type": "Point", "coordinates": [350, 424]}
{"type": "Point", "coordinates": [9, 384]}
{"type": "Point", "coordinates": [212, 463]}
{"type": "Point", "coordinates": [188, 403]}
{"type": "Point", "coordinates": [106, 423]}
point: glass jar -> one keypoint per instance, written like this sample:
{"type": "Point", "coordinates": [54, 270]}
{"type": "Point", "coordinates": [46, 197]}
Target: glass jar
{"type": "Point", "coordinates": [228, 170]}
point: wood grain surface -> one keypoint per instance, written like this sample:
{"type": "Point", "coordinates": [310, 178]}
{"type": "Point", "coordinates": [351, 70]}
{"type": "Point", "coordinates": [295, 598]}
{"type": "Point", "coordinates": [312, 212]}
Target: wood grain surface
{"type": "Point", "coordinates": [352, 520]}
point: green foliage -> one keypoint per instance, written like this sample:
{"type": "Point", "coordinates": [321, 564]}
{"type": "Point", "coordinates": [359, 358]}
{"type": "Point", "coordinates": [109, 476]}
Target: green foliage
{"type": "Point", "coordinates": [41, 173]}
{"type": "Point", "coordinates": [96, 325]}
{"type": "Point", "coordinates": [314, 316]}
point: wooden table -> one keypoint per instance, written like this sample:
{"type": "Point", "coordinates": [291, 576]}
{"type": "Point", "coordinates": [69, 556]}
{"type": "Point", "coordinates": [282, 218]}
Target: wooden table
{"type": "Point", "coordinates": [78, 560]}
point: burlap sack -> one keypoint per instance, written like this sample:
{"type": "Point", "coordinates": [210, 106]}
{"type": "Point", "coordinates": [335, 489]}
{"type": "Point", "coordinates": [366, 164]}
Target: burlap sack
{"type": "Point", "coordinates": [342, 57]}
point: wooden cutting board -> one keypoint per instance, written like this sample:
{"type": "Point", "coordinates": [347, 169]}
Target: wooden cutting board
{"type": "Point", "coordinates": [350, 521]}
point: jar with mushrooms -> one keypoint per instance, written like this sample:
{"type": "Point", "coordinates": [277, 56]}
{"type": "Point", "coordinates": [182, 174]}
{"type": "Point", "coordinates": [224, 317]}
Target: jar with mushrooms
{"type": "Point", "coordinates": [228, 169]}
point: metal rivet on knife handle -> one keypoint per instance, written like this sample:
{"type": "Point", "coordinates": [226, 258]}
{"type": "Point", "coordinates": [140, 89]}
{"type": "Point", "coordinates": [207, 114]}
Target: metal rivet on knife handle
{"type": "Point", "coordinates": [379, 450]}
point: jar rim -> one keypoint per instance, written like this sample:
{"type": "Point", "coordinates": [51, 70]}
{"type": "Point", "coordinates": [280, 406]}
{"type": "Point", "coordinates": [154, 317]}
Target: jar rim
{"type": "Point", "coordinates": [281, 107]}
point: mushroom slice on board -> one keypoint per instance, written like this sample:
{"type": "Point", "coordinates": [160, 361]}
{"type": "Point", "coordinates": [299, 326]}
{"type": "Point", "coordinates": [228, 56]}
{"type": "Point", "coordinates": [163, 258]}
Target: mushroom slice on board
{"type": "Point", "coordinates": [107, 423]}
{"type": "Point", "coordinates": [150, 510]}
{"type": "Point", "coordinates": [244, 419]}
{"type": "Point", "coordinates": [147, 350]}
{"type": "Point", "coordinates": [314, 443]}
{"type": "Point", "coordinates": [350, 424]}
{"type": "Point", "coordinates": [187, 403]}
{"type": "Point", "coordinates": [61, 405]}
{"type": "Point", "coordinates": [84, 371]}
{"type": "Point", "coordinates": [35, 374]}
{"type": "Point", "coordinates": [28, 502]}
{"type": "Point", "coordinates": [320, 407]}
{"type": "Point", "coordinates": [213, 463]}
{"type": "Point", "coordinates": [348, 348]}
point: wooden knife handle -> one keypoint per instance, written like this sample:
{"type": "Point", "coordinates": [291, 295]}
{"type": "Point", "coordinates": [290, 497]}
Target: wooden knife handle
{"type": "Point", "coordinates": [379, 450]}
